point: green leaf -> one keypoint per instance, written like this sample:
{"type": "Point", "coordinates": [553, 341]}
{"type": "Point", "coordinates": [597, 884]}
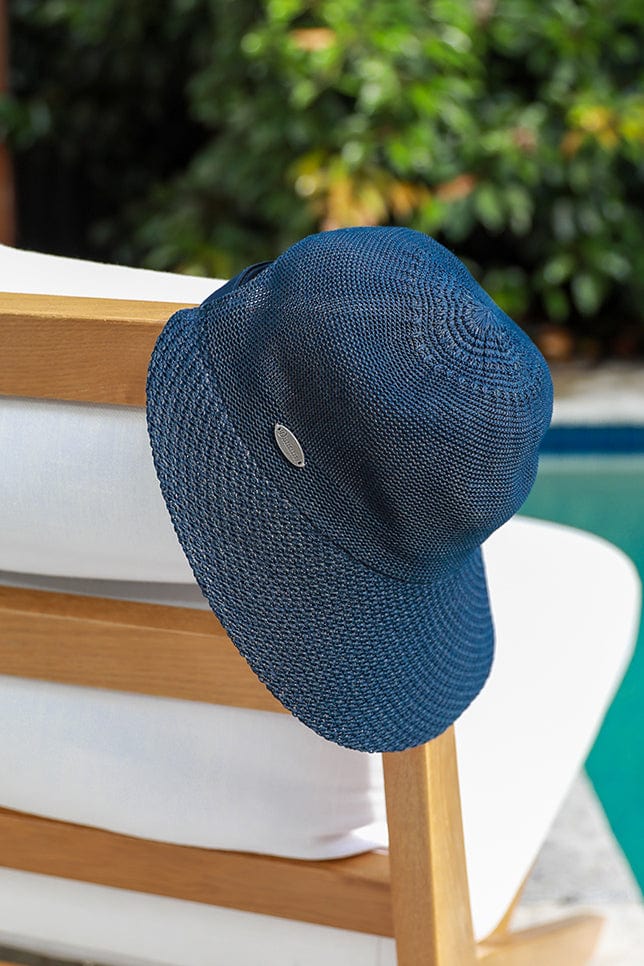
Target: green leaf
{"type": "Point", "coordinates": [556, 304]}
{"type": "Point", "coordinates": [488, 206]}
{"type": "Point", "coordinates": [559, 268]}
{"type": "Point", "coordinates": [587, 292]}
{"type": "Point", "coordinates": [173, 140]}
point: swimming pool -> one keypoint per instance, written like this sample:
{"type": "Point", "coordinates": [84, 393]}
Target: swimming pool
{"type": "Point", "coordinates": [593, 478]}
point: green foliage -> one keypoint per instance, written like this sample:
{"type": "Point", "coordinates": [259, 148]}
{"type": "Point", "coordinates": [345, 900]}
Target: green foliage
{"type": "Point", "coordinates": [220, 131]}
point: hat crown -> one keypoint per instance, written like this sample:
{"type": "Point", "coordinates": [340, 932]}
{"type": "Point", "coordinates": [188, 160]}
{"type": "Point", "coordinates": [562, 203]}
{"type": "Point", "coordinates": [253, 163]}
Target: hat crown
{"type": "Point", "coordinates": [418, 404]}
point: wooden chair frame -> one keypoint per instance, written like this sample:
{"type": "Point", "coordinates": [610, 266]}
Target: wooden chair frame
{"type": "Point", "coordinates": [97, 350]}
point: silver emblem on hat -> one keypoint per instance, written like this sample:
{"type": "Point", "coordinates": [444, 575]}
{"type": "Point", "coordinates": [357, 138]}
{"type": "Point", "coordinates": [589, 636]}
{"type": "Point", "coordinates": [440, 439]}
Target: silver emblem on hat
{"type": "Point", "coordinates": [288, 444]}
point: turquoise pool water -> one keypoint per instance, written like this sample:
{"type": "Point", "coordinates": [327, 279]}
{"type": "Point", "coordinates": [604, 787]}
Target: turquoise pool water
{"type": "Point", "coordinates": [604, 492]}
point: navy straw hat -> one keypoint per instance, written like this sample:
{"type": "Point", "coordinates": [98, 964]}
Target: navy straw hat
{"type": "Point", "coordinates": [335, 434]}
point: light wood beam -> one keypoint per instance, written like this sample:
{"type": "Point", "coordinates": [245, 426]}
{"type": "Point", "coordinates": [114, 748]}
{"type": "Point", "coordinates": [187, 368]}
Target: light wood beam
{"type": "Point", "coordinates": [569, 942]}
{"type": "Point", "coordinates": [430, 893]}
{"type": "Point", "coordinates": [176, 652]}
{"type": "Point", "coordinates": [78, 349]}
{"type": "Point", "coordinates": [351, 893]}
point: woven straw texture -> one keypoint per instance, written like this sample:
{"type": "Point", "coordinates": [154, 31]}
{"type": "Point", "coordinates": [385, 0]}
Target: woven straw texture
{"type": "Point", "coordinates": [354, 586]}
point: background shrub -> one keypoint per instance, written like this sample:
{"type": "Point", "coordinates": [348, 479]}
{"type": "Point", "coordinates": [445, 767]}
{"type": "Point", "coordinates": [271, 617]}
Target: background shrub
{"type": "Point", "coordinates": [201, 135]}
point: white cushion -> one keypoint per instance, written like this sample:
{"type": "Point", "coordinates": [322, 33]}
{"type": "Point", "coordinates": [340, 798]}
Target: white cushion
{"type": "Point", "coordinates": [33, 273]}
{"type": "Point", "coordinates": [90, 922]}
{"type": "Point", "coordinates": [79, 496]}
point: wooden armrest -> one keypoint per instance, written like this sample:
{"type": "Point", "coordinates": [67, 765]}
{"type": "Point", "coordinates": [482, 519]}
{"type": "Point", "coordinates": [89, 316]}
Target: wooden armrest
{"type": "Point", "coordinates": [78, 349]}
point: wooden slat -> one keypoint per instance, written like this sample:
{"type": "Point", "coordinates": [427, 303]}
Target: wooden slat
{"type": "Point", "coordinates": [503, 926]}
{"type": "Point", "coordinates": [568, 942]}
{"type": "Point", "coordinates": [143, 648]}
{"type": "Point", "coordinates": [430, 894]}
{"type": "Point", "coordinates": [350, 893]}
{"type": "Point", "coordinates": [86, 350]}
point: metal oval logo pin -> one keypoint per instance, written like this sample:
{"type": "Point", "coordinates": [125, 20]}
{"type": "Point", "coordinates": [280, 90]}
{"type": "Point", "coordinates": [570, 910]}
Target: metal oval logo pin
{"type": "Point", "coordinates": [288, 444]}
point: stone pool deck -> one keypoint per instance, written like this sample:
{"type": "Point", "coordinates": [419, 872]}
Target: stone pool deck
{"type": "Point", "coordinates": [610, 393]}
{"type": "Point", "coordinates": [582, 868]}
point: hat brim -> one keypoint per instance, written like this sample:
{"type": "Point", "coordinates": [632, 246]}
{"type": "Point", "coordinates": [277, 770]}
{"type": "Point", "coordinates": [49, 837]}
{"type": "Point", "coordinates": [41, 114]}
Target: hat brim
{"type": "Point", "coordinates": [365, 660]}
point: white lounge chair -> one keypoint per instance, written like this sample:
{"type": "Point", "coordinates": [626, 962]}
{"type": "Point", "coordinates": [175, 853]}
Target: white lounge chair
{"type": "Point", "coordinates": [153, 797]}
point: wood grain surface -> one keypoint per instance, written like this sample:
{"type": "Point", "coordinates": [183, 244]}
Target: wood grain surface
{"type": "Point", "coordinates": [176, 652]}
{"type": "Point", "coordinates": [350, 893]}
{"type": "Point", "coordinates": [78, 349]}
